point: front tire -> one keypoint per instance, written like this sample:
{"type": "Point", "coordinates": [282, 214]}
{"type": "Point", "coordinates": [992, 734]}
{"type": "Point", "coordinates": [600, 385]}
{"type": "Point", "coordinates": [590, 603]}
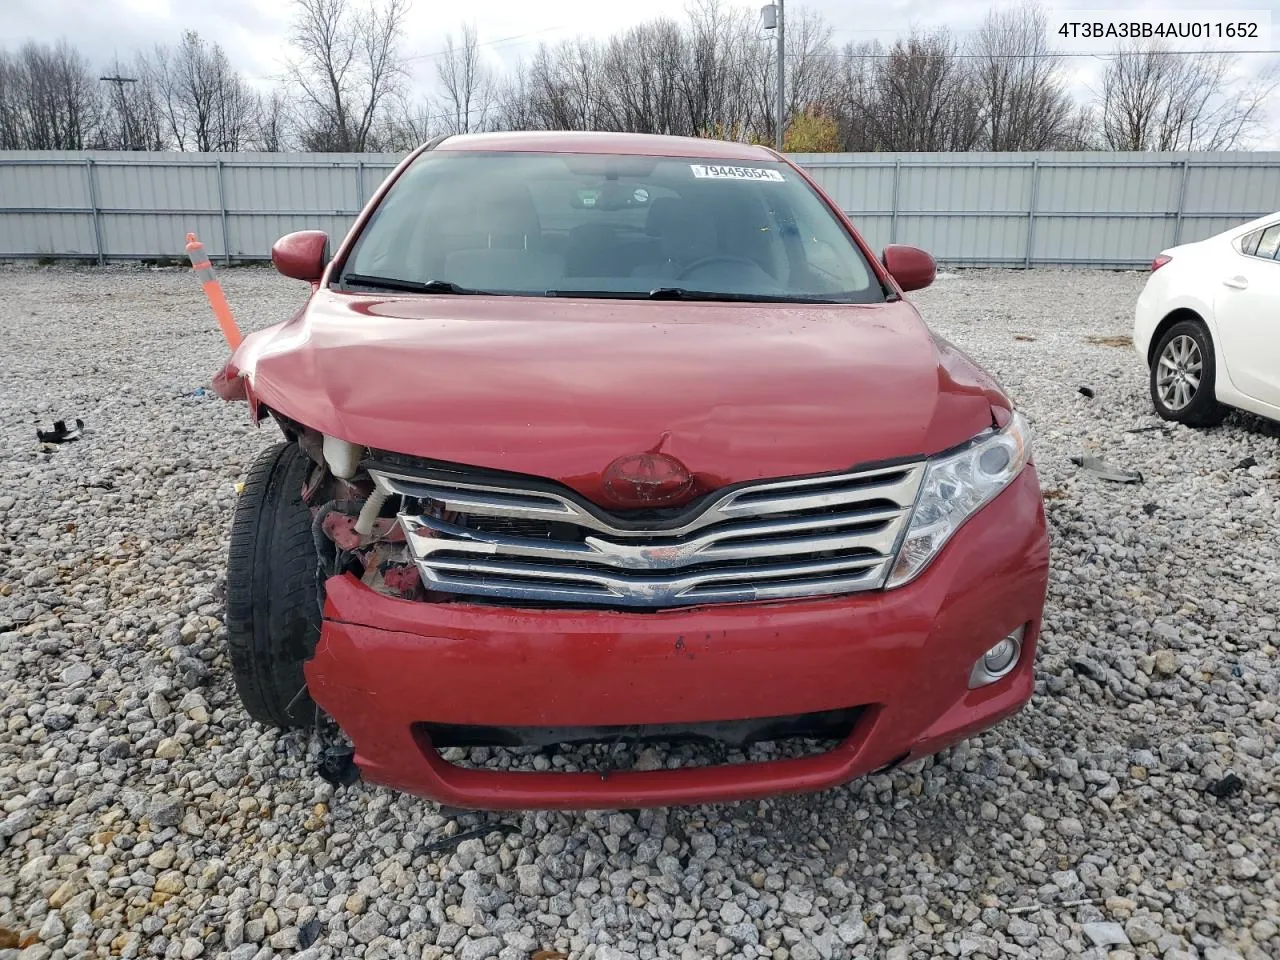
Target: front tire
{"type": "Point", "coordinates": [273, 604]}
{"type": "Point", "coordinates": [1183, 373]}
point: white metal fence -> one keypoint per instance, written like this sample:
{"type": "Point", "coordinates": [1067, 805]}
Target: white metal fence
{"type": "Point", "coordinates": [996, 209]}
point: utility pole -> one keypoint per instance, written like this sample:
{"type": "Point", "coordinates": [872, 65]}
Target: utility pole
{"type": "Point", "coordinates": [126, 128]}
{"type": "Point", "coordinates": [782, 79]}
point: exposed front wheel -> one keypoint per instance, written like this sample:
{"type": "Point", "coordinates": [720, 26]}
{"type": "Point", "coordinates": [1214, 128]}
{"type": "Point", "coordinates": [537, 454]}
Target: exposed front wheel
{"type": "Point", "coordinates": [1182, 376]}
{"type": "Point", "coordinates": [273, 612]}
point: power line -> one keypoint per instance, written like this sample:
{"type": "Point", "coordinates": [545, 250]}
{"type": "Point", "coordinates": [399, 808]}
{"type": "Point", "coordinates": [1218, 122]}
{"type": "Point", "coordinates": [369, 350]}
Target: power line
{"type": "Point", "coordinates": [1047, 55]}
{"type": "Point", "coordinates": [486, 43]}
{"type": "Point", "coordinates": [414, 58]}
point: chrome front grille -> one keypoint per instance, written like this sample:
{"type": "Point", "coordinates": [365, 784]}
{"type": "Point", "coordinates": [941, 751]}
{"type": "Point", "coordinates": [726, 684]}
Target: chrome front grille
{"type": "Point", "coordinates": [772, 540]}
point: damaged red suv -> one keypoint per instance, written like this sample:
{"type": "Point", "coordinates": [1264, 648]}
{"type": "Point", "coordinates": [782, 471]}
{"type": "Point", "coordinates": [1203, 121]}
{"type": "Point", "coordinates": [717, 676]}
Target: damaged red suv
{"type": "Point", "coordinates": [597, 438]}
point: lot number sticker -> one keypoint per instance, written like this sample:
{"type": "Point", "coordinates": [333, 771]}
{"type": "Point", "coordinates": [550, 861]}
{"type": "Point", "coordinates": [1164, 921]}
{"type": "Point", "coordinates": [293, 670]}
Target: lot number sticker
{"type": "Point", "coordinates": [708, 171]}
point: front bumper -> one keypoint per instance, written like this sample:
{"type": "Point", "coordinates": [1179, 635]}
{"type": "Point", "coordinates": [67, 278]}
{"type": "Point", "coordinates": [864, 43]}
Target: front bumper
{"type": "Point", "coordinates": [384, 666]}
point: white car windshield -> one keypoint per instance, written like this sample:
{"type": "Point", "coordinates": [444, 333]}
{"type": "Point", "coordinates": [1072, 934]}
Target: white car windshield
{"type": "Point", "coordinates": [552, 224]}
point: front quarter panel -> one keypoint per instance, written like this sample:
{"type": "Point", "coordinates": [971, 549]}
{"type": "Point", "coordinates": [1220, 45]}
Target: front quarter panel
{"type": "Point", "coordinates": [234, 380]}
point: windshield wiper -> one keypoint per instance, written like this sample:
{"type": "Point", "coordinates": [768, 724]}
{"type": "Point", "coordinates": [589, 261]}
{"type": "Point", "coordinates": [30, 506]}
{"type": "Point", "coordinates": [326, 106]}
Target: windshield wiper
{"type": "Point", "coordinates": [408, 286]}
{"type": "Point", "coordinates": [681, 293]}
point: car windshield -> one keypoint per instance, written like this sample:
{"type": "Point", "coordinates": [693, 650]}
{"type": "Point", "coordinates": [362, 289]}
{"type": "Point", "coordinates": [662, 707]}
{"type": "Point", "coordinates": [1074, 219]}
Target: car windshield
{"type": "Point", "coordinates": [595, 225]}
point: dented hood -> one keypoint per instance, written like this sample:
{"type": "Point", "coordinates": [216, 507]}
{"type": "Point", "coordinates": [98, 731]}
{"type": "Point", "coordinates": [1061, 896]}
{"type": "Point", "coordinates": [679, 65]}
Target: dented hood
{"type": "Point", "coordinates": [559, 388]}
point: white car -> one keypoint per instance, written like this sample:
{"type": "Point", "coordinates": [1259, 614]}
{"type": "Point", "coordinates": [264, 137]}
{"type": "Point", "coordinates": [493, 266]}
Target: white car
{"type": "Point", "coordinates": [1208, 325]}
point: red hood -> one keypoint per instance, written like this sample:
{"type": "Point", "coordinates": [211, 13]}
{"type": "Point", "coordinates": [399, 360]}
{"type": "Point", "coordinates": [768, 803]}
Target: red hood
{"type": "Point", "coordinates": [559, 388]}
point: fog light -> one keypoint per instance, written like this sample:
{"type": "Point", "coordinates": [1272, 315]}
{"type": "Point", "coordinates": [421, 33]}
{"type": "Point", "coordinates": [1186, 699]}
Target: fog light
{"type": "Point", "coordinates": [1000, 657]}
{"type": "Point", "coordinates": [997, 662]}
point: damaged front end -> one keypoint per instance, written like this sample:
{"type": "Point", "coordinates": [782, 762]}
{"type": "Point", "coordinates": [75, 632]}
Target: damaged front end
{"type": "Point", "coordinates": [428, 531]}
{"type": "Point", "coordinates": [349, 530]}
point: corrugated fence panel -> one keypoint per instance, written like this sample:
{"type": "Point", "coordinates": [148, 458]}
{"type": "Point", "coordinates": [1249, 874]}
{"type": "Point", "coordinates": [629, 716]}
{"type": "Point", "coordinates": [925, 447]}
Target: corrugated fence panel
{"type": "Point", "coordinates": [153, 186]}
{"type": "Point", "coordinates": [52, 184]}
{"type": "Point", "coordinates": [46, 235]}
{"type": "Point", "coordinates": [967, 239]}
{"type": "Point", "coordinates": [1087, 209]}
{"type": "Point", "coordinates": [135, 236]}
{"type": "Point", "coordinates": [875, 229]}
{"type": "Point", "coordinates": [1224, 197]}
{"type": "Point", "coordinates": [309, 189]}
{"type": "Point", "coordinates": [1100, 241]}
{"type": "Point", "coordinates": [858, 187]}
{"type": "Point", "coordinates": [42, 204]}
{"type": "Point", "coordinates": [1003, 209]}
{"type": "Point", "coordinates": [251, 233]}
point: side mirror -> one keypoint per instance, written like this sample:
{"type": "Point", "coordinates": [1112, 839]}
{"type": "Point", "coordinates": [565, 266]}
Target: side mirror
{"type": "Point", "coordinates": [910, 266]}
{"type": "Point", "coordinates": [302, 255]}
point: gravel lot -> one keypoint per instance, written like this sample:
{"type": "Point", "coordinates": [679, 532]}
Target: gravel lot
{"type": "Point", "coordinates": [142, 815]}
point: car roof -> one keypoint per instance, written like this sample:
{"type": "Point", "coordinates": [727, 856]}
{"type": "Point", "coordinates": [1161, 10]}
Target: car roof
{"type": "Point", "coordinates": [623, 144]}
{"type": "Point", "coordinates": [1249, 227]}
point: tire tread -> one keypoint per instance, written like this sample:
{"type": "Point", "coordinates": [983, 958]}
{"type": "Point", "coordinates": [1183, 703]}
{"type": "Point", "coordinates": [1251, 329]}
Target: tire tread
{"type": "Point", "coordinates": [272, 609]}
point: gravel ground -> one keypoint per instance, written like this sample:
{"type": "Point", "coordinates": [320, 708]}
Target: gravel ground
{"type": "Point", "coordinates": [142, 815]}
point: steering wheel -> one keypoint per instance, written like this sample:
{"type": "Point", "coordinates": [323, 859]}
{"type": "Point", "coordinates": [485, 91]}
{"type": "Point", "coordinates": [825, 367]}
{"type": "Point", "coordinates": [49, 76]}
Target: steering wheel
{"type": "Point", "coordinates": [716, 258]}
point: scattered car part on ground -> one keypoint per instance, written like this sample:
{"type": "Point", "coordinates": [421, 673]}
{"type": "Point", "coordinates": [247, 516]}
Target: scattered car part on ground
{"type": "Point", "coordinates": [61, 433]}
{"type": "Point", "coordinates": [629, 526]}
{"type": "Point", "coordinates": [452, 842]}
{"type": "Point", "coordinates": [1227, 786]}
{"type": "Point", "coordinates": [1106, 471]}
{"type": "Point", "coordinates": [1205, 326]}
{"type": "Point", "coordinates": [338, 767]}
{"type": "Point", "coordinates": [1152, 428]}
{"type": "Point", "coordinates": [1110, 341]}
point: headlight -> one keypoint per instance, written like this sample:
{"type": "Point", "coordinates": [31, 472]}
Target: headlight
{"type": "Point", "coordinates": [954, 488]}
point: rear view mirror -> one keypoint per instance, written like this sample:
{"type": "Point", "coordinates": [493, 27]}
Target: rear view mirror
{"type": "Point", "coordinates": [610, 166]}
{"type": "Point", "coordinates": [302, 255]}
{"type": "Point", "coordinates": [612, 196]}
{"type": "Point", "coordinates": [911, 267]}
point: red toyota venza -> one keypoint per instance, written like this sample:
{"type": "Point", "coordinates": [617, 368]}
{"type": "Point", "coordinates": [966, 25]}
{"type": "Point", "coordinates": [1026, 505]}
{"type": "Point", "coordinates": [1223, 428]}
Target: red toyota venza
{"type": "Point", "coordinates": [597, 438]}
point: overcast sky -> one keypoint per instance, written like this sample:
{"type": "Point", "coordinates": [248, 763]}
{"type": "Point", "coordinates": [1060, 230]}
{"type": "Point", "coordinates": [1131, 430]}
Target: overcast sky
{"type": "Point", "coordinates": [254, 32]}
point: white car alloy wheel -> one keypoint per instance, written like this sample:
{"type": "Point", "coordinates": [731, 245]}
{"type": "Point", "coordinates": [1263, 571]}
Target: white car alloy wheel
{"type": "Point", "coordinates": [1182, 381]}
{"type": "Point", "coordinates": [1180, 369]}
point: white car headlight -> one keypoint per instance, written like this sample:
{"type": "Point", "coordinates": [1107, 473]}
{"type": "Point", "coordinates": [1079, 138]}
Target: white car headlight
{"type": "Point", "coordinates": [954, 488]}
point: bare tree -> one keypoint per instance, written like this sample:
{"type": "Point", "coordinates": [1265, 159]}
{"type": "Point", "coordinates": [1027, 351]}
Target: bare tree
{"type": "Point", "coordinates": [410, 126]}
{"type": "Point", "coordinates": [710, 73]}
{"type": "Point", "coordinates": [917, 95]}
{"type": "Point", "coordinates": [49, 99]}
{"type": "Point", "coordinates": [1021, 82]}
{"type": "Point", "coordinates": [725, 73]}
{"type": "Point", "coordinates": [467, 84]}
{"type": "Point", "coordinates": [348, 69]}
{"type": "Point", "coordinates": [207, 106]}
{"type": "Point", "coordinates": [641, 71]}
{"type": "Point", "coordinates": [1154, 98]}
{"type": "Point", "coordinates": [855, 98]}
{"type": "Point", "coordinates": [514, 101]}
{"type": "Point", "coordinates": [274, 123]}
{"type": "Point", "coordinates": [710, 76]}
{"type": "Point", "coordinates": [812, 66]}
{"type": "Point", "coordinates": [134, 115]}
{"type": "Point", "coordinates": [564, 87]}
{"type": "Point", "coordinates": [10, 95]}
